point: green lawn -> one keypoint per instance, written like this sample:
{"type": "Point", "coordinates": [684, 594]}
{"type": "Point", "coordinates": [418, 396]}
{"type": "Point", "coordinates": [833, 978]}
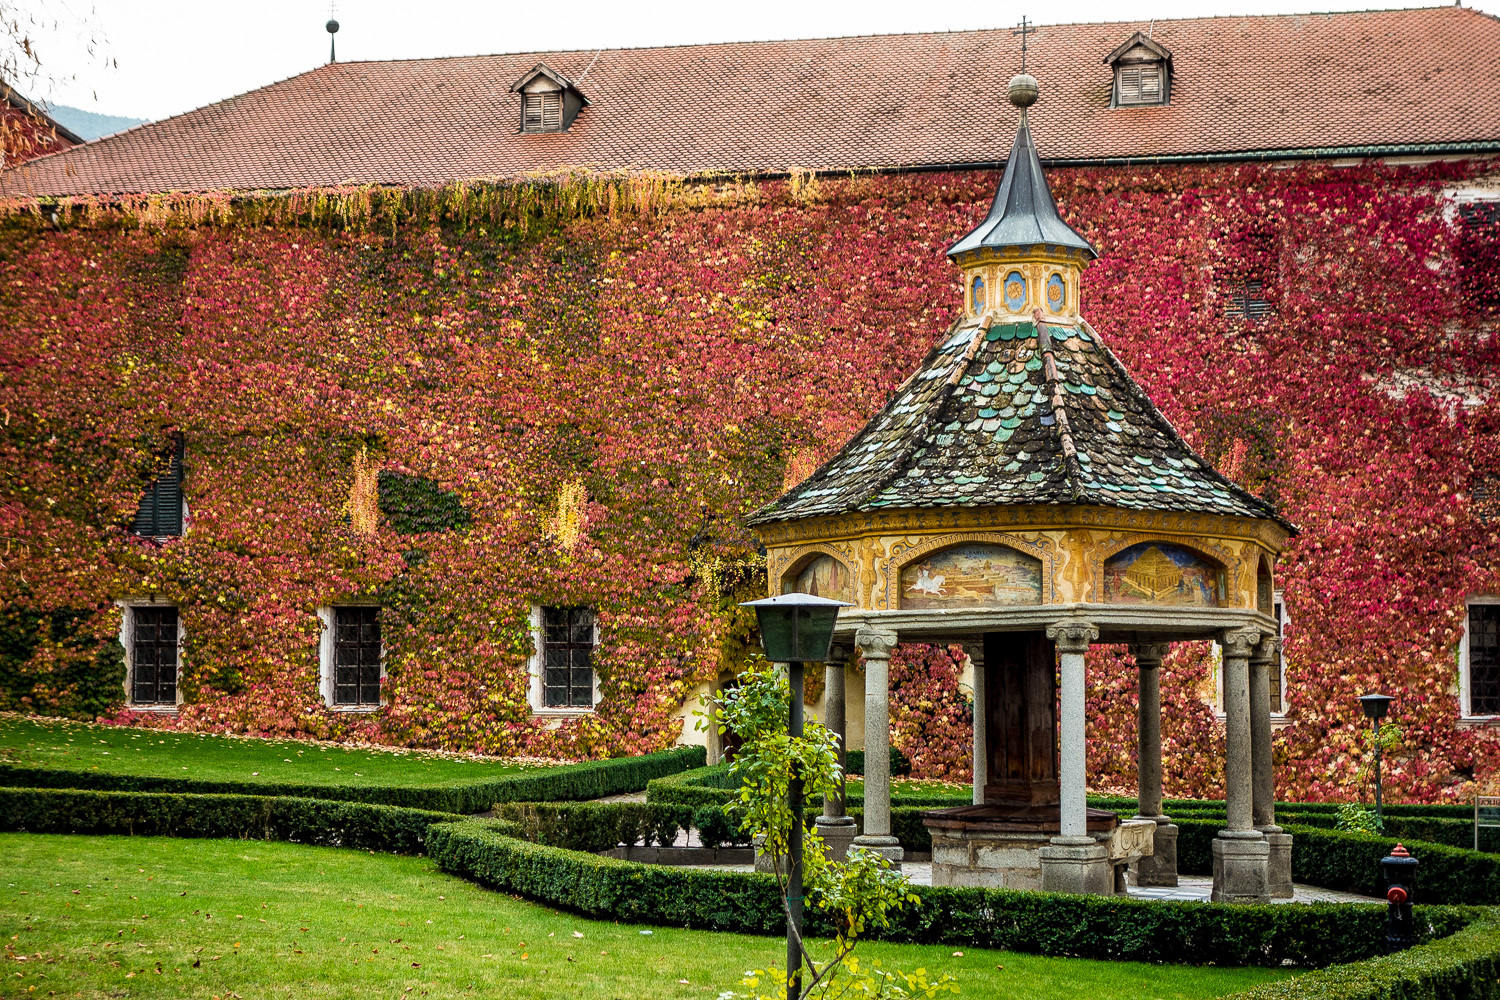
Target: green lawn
{"type": "Point", "coordinates": [56, 743]}
{"type": "Point", "coordinates": [149, 917]}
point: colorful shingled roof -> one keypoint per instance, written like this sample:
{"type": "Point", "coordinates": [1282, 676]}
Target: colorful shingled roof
{"type": "Point", "coordinates": [1017, 413]}
{"type": "Point", "coordinates": [1362, 81]}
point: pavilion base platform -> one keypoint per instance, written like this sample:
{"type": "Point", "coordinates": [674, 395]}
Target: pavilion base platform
{"type": "Point", "coordinates": [1241, 868]}
{"type": "Point", "coordinates": [1017, 847]}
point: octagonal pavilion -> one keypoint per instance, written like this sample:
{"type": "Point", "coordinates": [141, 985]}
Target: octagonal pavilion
{"type": "Point", "coordinates": [1021, 494]}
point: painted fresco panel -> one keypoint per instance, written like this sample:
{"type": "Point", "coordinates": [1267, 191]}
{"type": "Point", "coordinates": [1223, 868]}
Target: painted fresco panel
{"type": "Point", "coordinates": [1159, 573]}
{"type": "Point", "coordinates": [972, 576]}
{"type": "Point", "coordinates": [825, 576]}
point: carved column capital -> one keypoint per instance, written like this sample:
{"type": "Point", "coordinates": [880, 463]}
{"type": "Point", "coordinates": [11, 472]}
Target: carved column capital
{"type": "Point", "coordinates": [838, 655]}
{"type": "Point", "coordinates": [1148, 655]}
{"type": "Point", "coordinates": [875, 643]}
{"type": "Point", "coordinates": [1238, 643]}
{"type": "Point", "coordinates": [1073, 637]}
{"type": "Point", "coordinates": [1266, 651]}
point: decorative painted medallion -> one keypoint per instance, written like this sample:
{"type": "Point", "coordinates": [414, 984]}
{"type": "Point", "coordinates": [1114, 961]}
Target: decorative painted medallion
{"type": "Point", "coordinates": [976, 294]}
{"type": "Point", "coordinates": [1159, 573]}
{"type": "Point", "coordinates": [972, 576]}
{"type": "Point", "coordinates": [825, 576]}
{"type": "Point", "coordinates": [1015, 291]}
{"type": "Point", "coordinates": [1057, 293]}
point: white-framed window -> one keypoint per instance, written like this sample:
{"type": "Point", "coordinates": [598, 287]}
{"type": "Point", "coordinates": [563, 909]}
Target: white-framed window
{"type": "Point", "coordinates": [1278, 666]}
{"type": "Point", "coordinates": [563, 640]}
{"type": "Point", "coordinates": [151, 633]}
{"type": "Point", "coordinates": [351, 657]}
{"type": "Point", "coordinates": [1479, 658]}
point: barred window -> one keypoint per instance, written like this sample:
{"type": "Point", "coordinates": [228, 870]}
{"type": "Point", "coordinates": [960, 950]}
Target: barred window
{"type": "Point", "coordinates": [567, 658]}
{"type": "Point", "coordinates": [153, 656]}
{"type": "Point", "coordinates": [356, 656]}
{"type": "Point", "coordinates": [1248, 301]}
{"type": "Point", "coordinates": [1484, 659]}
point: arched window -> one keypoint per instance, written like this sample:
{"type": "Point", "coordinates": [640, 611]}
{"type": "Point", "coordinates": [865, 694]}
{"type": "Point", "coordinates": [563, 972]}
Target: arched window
{"type": "Point", "coordinates": [976, 294]}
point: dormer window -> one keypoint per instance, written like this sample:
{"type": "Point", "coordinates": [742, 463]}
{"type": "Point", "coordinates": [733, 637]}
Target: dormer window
{"type": "Point", "coordinates": [541, 112]}
{"type": "Point", "coordinates": [1143, 72]}
{"type": "Point", "coordinates": [549, 100]}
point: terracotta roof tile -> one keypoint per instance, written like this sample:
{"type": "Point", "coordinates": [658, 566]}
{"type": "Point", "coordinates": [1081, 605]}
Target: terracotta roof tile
{"type": "Point", "coordinates": [1241, 84]}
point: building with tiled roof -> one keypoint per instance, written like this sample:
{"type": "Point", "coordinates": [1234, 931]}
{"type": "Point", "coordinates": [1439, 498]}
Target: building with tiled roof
{"type": "Point", "coordinates": [1391, 82]}
{"type": "Point", "coordinates": [27, 131]}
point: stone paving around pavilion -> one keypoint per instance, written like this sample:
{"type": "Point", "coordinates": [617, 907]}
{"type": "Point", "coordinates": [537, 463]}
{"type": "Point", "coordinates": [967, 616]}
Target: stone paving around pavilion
{"type": "Point", "coordinates": [1191, 888]}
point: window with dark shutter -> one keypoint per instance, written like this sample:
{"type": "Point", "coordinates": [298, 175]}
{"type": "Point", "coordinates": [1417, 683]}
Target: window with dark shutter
{"type": "Point", "coordinates": [1278, 665]}
{"type": "Point", "coordinates": [1248, 301]}
{"type": "Point", "coordinates": [1484, 659]}
{"type": "Point", "coordinates": [153, 656]}
{"type": "Point", "coordinates": [356, 656]}
{"type": "Point", "coordinates": [567, 658]}
{"type": "Point", "coordinates": [160, 512]}
{"type": "Point", "coordinates": [542, 112]}
{"type": "Point", "coordinates": [1476, 251]}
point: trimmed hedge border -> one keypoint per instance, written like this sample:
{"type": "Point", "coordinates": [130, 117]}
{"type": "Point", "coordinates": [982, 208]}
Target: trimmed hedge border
{"type": "Point", "coordinates": [368, 826]}
{"type": "Point", "coordinates": [1465, 966]}
{"type": "Point", "coordinates": [571, 782]}
{"type": "Point", "coordinates": [1039, 923]}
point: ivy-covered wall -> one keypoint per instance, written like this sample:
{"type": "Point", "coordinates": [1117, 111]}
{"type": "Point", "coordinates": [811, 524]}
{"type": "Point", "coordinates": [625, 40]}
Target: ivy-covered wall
{"type": "Point", "coordinates": [466, 402]}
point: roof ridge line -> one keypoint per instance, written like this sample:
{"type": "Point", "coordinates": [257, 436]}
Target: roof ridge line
{"type": "Point", "coordinates": [1165, 425]}
{"type": "Point", "coordinates": [919, 434]}
{"type": "Point", "coordinates": [1059, 407]}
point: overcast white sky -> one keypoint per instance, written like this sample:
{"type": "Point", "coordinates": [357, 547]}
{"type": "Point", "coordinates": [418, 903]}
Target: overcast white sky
{"type": "Point", "coordinates": [175, 56]}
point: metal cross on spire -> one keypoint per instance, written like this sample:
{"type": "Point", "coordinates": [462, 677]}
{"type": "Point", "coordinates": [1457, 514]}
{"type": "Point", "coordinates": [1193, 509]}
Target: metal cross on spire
{"type": "Point", "coordinates": [1023, 31]}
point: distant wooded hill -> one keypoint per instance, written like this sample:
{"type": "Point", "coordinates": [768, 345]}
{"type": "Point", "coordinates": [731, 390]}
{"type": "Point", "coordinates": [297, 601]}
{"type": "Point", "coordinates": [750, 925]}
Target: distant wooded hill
{"type": "Point", "coordinates": [90, 124]}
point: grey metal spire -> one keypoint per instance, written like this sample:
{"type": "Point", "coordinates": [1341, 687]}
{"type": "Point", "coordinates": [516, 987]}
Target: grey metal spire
{"type": "Point", "coordinates": [1023, 213]}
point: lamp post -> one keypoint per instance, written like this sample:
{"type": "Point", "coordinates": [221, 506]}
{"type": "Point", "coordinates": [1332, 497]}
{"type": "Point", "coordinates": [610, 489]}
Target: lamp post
{"type": "Point", "coordinates": [1376, 706]}
{"type": "Point", "coordinates": [795, 629]}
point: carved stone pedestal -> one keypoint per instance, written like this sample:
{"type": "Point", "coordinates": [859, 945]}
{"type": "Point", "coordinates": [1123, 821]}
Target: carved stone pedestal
{"type": "Point", "coordinates": [1279, 865]}
{"type": "Point", "coordinates": [837, 833]}
{"type": "Point", "coordinates": [1159, 868]}
{"type": "Point", "coordinates": [1241, 869]}
{"type": "Point", "coordinates": [1078, 865]}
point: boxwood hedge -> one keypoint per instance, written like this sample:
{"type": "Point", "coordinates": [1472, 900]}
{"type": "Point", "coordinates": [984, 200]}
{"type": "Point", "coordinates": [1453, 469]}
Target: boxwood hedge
{"type": "Point", "coordinates": [247, 817]}
{"type": "Point", "coordinates": [1041, 923]}
{"type": "Point", "coordinates": [1464, 966]}
{"type": "Point", "coordinates": [589, 780]}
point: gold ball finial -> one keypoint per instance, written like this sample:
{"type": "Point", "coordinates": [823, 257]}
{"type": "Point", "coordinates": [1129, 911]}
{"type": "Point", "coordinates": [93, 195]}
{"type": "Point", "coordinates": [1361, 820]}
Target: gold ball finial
{"type": "Point", "coordinates": [1023, 90]}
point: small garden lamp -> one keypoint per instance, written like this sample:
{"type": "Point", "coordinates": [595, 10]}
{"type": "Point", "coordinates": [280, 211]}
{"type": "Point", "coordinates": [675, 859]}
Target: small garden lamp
{"type": "Point", "coordinates": [1376, 706]}
{"type": "Point", "coordinates": [795, 629]}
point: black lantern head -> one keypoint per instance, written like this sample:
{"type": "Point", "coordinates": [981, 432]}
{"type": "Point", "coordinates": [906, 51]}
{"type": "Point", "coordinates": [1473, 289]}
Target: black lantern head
{"type": "Point", "coordinates": [1375, 705]}
{"type": "Point", "coordinates": [796, 627]}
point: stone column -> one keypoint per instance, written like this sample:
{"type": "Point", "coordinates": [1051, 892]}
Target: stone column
{"type": "Point", "coordinates": [1074, 861]}
{"type": "Point", "coordinates": [1160, 867]}
{"type": "Point", "coordinates": [835, 826]}
{"type": "Point", "coordinates": [981, 717]}
{"type": "Point", "coordinates": [1241, 854]}
{"type": "Point", "coordinates": [1263, 782]}
{"type": "Point", "coordinates": [875, 647]}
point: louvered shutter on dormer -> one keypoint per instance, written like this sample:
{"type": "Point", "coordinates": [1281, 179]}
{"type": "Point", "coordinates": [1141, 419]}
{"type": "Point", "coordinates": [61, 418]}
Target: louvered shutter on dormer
{"type": "Point", "coordinates": [160, 512]}
{"type": "Point", "coordinates": [542, 112]}
{"type": "Point", "coordinates": [1140, 84]}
